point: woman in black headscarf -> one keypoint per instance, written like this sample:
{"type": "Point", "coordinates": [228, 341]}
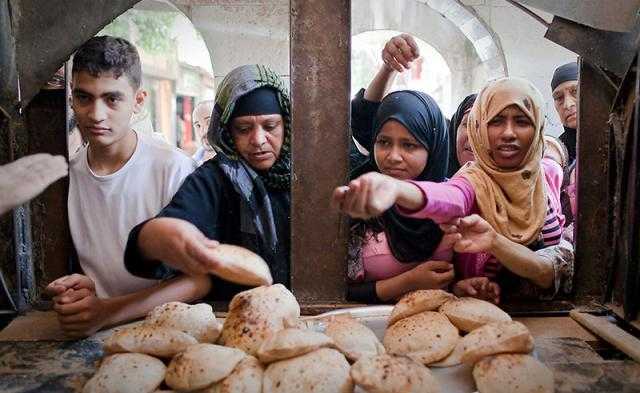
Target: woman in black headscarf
{"type": "Point", "coordinates": [459, 148]}
{"type": "Point", "coordinates": [393, 254]}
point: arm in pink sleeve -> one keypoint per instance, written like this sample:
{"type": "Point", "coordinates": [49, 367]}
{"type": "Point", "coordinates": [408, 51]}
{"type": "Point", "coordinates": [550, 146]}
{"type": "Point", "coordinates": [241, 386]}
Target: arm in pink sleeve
{"type": "Point", "coordinates": [445, 201]}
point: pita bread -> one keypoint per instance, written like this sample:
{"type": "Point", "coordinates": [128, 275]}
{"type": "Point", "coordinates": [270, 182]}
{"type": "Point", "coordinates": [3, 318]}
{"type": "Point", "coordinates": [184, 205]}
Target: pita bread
{"type": "Point", "coordinates": [393, 374]}
{"type": "Point", "coordinates": [256, 315]}
{"type": "Point", "coordinates": [288, 343]}
{"type": "Point", "coordinates": [322, 371]}
{"type": "Point", "coordinates": [151, 340]}
{"type": "Point", "coordinates": [418, 301]}
{"type": "Point", "coordinates": [127, 372]}
{"type": "Point", "coordinates": [353, 339]}
{"type": "Point", "coordinates": [495, 338]}
{"type": "Point", "coordinates": [512, 373]}
{"type": "Point", "coordinates": [241, 266]}
{"type": "Point", "coordinates": [469, 313]}
{"type": "Point", "coordinates": [425, 337]}
{"type": "Point", "coordinates": [201, 365]}
{"type": "Point", "coordinates": [454, 358]}
{"type": "Point", "coordinates": [245, 378]}
{"type": "Point", "coordinates": [197, 320]}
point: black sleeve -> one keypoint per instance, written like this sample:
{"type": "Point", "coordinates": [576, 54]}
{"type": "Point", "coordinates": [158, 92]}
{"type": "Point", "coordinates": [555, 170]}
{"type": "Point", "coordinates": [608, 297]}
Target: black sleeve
{"type": "Point", "coordinates": [197, 201]}
{"type": "Point", "coordinates": [364, 292]}
{"type": "Point", "coordinates": [363, 113]}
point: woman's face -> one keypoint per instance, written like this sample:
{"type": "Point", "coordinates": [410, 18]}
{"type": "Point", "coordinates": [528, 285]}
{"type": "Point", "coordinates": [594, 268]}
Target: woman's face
{"type": "Point", "coordinates": [258, 139]}
{"type": "Point", "coordinates": [463, 147]}
{"type": "Point", "coordinates": [397, 153]}
{"type": "Point", "coordinates": [510, 135]}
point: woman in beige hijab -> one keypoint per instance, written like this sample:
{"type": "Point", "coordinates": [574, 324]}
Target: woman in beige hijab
{"type": "Point", "coordinates": [510, 185]}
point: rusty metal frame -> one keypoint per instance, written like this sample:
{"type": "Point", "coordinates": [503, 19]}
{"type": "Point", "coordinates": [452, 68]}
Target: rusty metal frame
{"type": "Point", "coordinates": [320, 74]}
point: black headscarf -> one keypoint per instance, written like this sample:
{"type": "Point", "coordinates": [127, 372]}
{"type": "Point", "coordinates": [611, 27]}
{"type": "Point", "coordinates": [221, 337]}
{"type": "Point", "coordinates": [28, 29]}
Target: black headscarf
{"type": "Point", "coordinates": [564, 73]}
{"type": "Point", "coordinates": [466, 104]}
{"type": "Point", "coordinates": [410, 239]}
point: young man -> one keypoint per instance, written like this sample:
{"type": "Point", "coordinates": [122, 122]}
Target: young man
{"type": "Point", "coordinates": [121, 178]}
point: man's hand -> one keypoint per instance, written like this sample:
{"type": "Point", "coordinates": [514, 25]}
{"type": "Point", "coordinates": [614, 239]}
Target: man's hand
{"type": "Point", "coordinates": [27, 177]}
{"type": "Point", "coordinates": [179, 244]}
{"type": "Point", "coordinates": [80, 312]}
{"type": "Point", "coordinates": [432, 275]}
{"type": "Point", "coordinates": [473, 233]}
{"type": "Point", "coordinates": [399, 52]}
{"type": "Point", "coordinates": [368, 196]}
{"type": "Point", "coordinates": [478, 287]}
{"type": "Point", "coordinates": [73, 281]}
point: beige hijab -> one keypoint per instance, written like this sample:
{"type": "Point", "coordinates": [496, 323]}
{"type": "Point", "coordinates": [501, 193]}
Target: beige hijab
{"type": "Point", "coordinates": [512, 201]}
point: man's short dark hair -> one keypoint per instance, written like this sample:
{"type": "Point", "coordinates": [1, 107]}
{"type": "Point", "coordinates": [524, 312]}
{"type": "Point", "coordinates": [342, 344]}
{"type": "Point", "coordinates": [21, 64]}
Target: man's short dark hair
{"type": "Point", "coordinates": [109, 54]}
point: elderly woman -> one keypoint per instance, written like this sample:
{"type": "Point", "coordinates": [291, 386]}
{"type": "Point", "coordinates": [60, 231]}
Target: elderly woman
{"type": "Point", "coordinates": [394, 254]}
{"type": "Point", "coordinates": [509, 184]}
{"type": "Point", "coordinates": [240, 197]}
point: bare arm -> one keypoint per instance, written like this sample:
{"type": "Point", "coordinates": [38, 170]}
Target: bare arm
{"type": "Point", "coordinates": [380, 84]}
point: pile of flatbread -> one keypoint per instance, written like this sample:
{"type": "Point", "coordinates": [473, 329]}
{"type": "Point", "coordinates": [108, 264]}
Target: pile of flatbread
{"type": "Point", "coordinates": [265, 347]}
{"type": "Point", "coordinates": [424, 326]}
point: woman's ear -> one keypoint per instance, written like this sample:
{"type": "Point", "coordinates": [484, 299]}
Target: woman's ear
{"type": "Point", "coordinates": [141, 96]}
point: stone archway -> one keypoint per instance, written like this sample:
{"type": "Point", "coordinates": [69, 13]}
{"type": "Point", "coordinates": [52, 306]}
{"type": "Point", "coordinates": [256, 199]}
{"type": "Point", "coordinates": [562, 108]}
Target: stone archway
{"type": "Point", "coordinates": [469, 47]}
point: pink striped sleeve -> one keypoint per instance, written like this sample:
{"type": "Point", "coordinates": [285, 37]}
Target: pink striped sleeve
{"type": "Point", "coordinates": [445, 201]}
{"type": "Point", "coordinates": [553, 177]}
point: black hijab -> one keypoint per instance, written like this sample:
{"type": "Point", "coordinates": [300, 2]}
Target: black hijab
{"type": "Point", "coordinates": [410, 239]}
{"type": "Point", "coordinates": [564, 73]}
{"type": "Point", "coordinates": [466, 104]}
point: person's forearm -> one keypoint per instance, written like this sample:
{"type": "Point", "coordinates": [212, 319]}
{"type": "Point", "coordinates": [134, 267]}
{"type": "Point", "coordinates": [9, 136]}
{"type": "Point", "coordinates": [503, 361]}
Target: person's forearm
{"type": "Point", "coordinates": [138, 304]}
{"type": "Point", "coordinates": [380, 84]}
{"type": "Point", "coordinates": [522, 261]}
{"type": "Point", "coordinates": [410, 196]}
{"type": "Point", "coordinates": [396, 286]}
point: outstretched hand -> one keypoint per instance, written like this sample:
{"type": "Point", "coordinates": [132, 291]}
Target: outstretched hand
{"type": "Point", "coordinates": [368, 196]}
{"type": "Point", "coordinates": [27, 177]}
{"type": "Point", "coordinates": [473, 234]}
{"type": "Point", "coordinates": [478, 287]}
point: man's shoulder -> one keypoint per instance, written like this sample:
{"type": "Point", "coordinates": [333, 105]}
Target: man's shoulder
{"type": "Point", "coordinates": [163, 154]}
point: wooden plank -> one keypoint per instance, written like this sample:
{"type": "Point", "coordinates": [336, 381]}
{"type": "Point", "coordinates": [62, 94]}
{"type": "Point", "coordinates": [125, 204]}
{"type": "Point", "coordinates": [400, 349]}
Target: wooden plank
{"type": "Point", "coordinates": [610, 332]}
{"type": "Point", "coordinates": [552, 327]}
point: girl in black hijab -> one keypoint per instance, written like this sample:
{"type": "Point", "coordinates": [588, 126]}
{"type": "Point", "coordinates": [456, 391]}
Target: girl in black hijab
{"type": "Point", "coordinates": [393, 254]}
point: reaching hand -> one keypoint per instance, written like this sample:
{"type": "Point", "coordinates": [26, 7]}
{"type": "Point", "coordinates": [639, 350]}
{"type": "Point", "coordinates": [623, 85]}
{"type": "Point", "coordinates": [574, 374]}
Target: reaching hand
{"type": "Point", "coordinates": [73, 281]}
{"type": "Point", "coordinates": [474, 234]}
{"type": "Point", "coordinates": [80, 312]}
{"type": "Point", "coordinates": [399, 52]}
{"type": "Point", "coordinates": [27, 177]}
{"type": "Point", "coordinates": [478, 287]}
{"type": "Point", "coordinates": [179, 244]}
{"type": "Point", "coordinates": [368, 196]}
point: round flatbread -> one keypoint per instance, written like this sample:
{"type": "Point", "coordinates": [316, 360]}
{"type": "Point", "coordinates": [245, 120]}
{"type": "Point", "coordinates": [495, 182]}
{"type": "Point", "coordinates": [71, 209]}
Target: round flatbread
{"type": "Point", "coordinates": [127, 373]}
{"type": "Point", "coordinates": [201, 365]}
{"type": "Point", "coordinates": [426, 337]}
{"type": "Point", "coordinates": [256, 315]}
{"type": "Point", "coordinates": [418, 301]}
{"type": "Point", "coordinates": [241, 266]}
{"type": "Point", "coordinates": [288, 343]}
{"type": "Point", "coordinates": [393, 374]}
{"type": "Point", "coordinates": [245, 378]}
{"type": "Point", "coordinates": [495, 338]}
{"type": "Point", "coordinates": [322, 371]}
{"type": "Point", "coordinates": [469, 313]}
{"type": "Point", "coordinates": [197, 320]}
{"type": "Point", "coordinates": [353, 339]}
{"type": "Point", "coordinates": [453, 359]}
{"type": "Point", "coordinates": [151, 340]}
{"type": "Point", "coordinates": [512, 373]}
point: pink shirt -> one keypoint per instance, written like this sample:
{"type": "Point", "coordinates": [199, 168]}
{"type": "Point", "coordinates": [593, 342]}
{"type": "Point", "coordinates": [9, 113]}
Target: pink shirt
{"type": "Point", "coordinates": [457, 198]}
{"type": "Point", "coordinates": [380, 264]}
